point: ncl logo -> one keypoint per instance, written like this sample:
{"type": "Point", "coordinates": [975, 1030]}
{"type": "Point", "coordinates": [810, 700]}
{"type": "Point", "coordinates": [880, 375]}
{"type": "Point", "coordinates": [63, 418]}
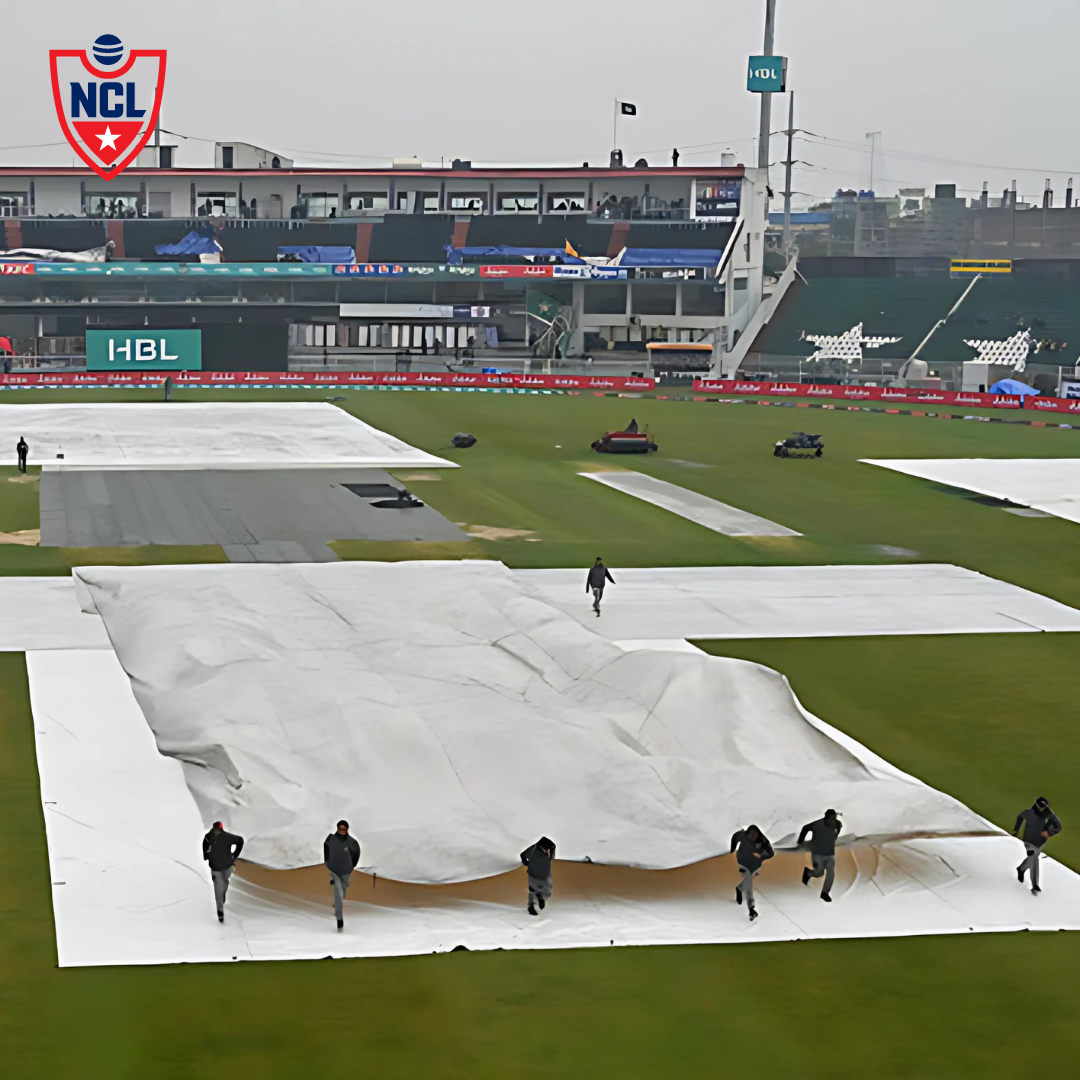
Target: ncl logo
{"type": "Point", "coordinates": [109, 106]}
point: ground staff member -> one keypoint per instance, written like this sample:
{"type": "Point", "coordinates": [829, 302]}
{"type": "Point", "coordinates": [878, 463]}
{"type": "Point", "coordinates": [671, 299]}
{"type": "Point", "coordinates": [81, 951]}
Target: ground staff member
{"type": "Point", "coordinates": [221, 849]}
{"type": "Point", "coordinates": [538, 861]}
{"type": "Point", "coordinates": [341, 853]}
{"type": "Point", "coordinates": [822, 850]}
{"type": "Point", "coordinates": [21, 450]}
{"type": "Point", "coordinates": [752, 850]}
{"type": "Point", "coordinates": [1039, 823]}
{"type": "Point", "coordinates": [594, 583]}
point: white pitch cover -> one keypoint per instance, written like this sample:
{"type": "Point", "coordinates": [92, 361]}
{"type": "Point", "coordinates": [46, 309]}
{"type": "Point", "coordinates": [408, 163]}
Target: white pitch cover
{"type": "Point", "coordinates": [1048, 484]}
{"type": "Point", "coordinates": [459, 719]}
{"type": "Point", "coordinates": [454, 719]}
{"type": "Point", "coordinates": [193, 435]}
{"type": "Point", "coordinates": [712, 602]}
{"type": "Point", "coordinates": [692, 505]}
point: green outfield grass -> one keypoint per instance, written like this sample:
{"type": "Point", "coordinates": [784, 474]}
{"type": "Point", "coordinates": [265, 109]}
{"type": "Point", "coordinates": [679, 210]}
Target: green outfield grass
{"type": "Point", "coordinates": [992, 719]}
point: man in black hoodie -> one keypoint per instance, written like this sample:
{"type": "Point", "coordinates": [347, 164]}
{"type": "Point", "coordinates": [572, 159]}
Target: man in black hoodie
{"type": "Point", "coordinates": [21, 450]}
{"type": "Point", "coordinates": [341, 853]}
{"type": "Point", "coordinates": [221, 849]}
{"type": "Point", "coordinates": [538, 861]}
{"type": "Point", "coordinates": [1039, 823]}
{"type": "Point", "coordinates": [594, 583]}
{"type": "Point", "coordinates": [823, 834]}
{"type": "Point", "coordinates": [753, 849]}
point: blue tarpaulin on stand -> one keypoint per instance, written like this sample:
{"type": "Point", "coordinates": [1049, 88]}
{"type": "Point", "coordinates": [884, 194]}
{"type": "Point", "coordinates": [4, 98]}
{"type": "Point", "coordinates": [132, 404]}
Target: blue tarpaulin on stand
{"type": "Point", "coordinates": [1014, 387]}
{"type": "Point", "coordinates": [195, 243]}
{"type": "Point", "coordinates": [312, 254]}
{"type": "Point", "coordinates": [707, 257]}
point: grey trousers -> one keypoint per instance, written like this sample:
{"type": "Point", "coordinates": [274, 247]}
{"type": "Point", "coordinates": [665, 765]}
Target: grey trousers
{"type": "Point", "coordinates": [22, 463]}
{"type": "Point", "coordinates": [341, 886]}
{"type": "Point", "coordinates": [824, 864]}
{"type": "Point", "coordinates": [747, 886]}
{"type": "Point", "coordinates": [539, 887]}
{"type": "Point", "coordinates": [221, 886]}
{"type": "Point", "coordinates": [1031, 864]}
{"type": "Point", "coordinates": [597, 596]}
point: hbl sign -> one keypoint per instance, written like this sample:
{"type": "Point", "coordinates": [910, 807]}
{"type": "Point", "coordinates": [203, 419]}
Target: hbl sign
{"type": "Point", "coordinates": [148, 350]}
{"type": "Point", "coordinates": [767, 75]}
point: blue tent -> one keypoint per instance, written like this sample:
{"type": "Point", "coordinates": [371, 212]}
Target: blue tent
{"type": "Point", "coordinates": [312, 254]}
{"type": "Point", "coordinates": [1014, 387]}
{"type": "Point", "coordinates": [195, 243]}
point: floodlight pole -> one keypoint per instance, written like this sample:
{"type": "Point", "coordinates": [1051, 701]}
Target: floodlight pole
{"type": "Point", "coordinates": [766, 99]}
{"type": "Point", "coordinates": [902, 373]}
{"type": "Point", "coordinates": [787, 175]}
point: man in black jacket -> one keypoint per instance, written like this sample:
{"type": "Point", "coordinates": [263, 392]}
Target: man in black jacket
{"type": "Point", "coordinates": [221, 849]}
{"type": "Point", "coordinates": [594, 583]}
{"type": "Point", "coordinates": [1039, 823]}
{"type": "Point", "coordinates": [341, 853]}
{"type": "Point", "coordinates": [21, 450]}
{"type": "Point", "coordinates": [823, 834]}
{"type": "Point", "coordinates": [538, 861]}
{"type": "Point", "coordinates": [752, 850]}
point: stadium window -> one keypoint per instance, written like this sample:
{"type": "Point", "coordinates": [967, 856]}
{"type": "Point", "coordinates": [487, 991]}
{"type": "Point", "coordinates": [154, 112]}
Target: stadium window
{"type": "Point", "coordinates": [320, 204]}
{"type": "Point", "coordinates": [419, 202]}
{"type": "Point", "coordinates": [468, 202]}
{"type": "Point", "coordinates": [367, 200]}
{"type": "Point", "coordinates": [12, 203]}
{"type": "Point", "coordinates": [565, 202]}
{"type": "Point", "coordinates": [518, 202]}
{"type": "Point", "coordinates": [216, 204]}
{"type": "Point", "coordinates": [114, 204]}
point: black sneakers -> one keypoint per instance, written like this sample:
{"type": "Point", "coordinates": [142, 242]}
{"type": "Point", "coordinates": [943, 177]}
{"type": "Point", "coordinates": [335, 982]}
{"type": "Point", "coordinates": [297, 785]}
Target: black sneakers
{"type": "Point", "coordinates": [540, 901]}
{"type": "Point", "coordinates": [805, 874]}
{"type": "Point", "coordinates": [753, 914]}
{"type": "Point", "coordinates": [1020, 874]}
{"type": "Point", "coordinates": [221, 916]}
{"type": "Point", "coordinates": [1035, 890]}
{"type": "Point", "coordinates": [826, 897]}
{"type": "Point", "coordinates": [532, 910]}
{"type": "Point", "coordinates": [738, 895]}
{"type": "Point", "coordinates": [341, 924]}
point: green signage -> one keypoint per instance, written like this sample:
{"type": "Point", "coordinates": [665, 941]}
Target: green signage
{"type": "Point", "coordinates": [144, 349]}
{"type": "Point", "coordinates": [767, 74]}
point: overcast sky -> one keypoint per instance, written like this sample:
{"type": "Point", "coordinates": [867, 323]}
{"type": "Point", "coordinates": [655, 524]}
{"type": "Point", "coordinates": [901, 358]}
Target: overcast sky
{"type": "Point", "coordinates": [961, 90]}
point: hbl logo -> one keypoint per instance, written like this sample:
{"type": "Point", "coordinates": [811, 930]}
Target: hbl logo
{"type": "Point", "coordinates": [109, 116]}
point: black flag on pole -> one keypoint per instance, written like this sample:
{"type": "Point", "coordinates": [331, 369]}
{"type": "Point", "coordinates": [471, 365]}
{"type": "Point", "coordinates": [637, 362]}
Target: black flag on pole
{"type": "Point", "coordinates": [627, 109]}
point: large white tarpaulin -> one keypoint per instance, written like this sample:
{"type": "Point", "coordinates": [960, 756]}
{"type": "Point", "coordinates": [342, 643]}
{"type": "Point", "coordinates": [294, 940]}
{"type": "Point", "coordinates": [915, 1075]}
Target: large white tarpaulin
{"type": "Point", "coordinates": [799, 601]}
{"type": "Point", "coordinates": [190, 435]}
{"type": "Point", "coordinates": [1048, 484]}
{"type": "Point", "coordinates": [454, 719]}
{"type": "Point", "coordinates": [129, 885]}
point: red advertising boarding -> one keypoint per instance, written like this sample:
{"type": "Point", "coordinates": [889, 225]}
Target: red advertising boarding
{"type": "Point", "coordinates": [878, 394]}
{"type": "Point", "coordinates": [516, 271]}
{"type": "Point", "coordinates": [9, 268]}
{"type": "Point", "coordinates": [597, 383]}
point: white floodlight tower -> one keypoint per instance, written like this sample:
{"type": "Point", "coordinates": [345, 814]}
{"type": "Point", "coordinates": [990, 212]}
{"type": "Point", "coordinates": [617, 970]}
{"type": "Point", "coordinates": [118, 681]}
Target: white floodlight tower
{"type": "Point", "coordinates": [766, 99]}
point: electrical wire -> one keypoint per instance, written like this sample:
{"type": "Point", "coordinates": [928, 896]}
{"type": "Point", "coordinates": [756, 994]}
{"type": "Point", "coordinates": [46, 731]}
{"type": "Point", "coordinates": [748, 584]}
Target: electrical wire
{"type": "Point", "coordinates": [33, 146]}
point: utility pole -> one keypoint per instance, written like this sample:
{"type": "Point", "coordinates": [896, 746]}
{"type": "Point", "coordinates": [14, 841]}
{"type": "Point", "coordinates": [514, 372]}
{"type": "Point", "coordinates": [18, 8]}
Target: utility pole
{"type": "Point", "coordinates": [766, 99]}
{"type": "Point", "coordinates": [787, 174]}
{"type": "Point", "coordinates": [873, 136]}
